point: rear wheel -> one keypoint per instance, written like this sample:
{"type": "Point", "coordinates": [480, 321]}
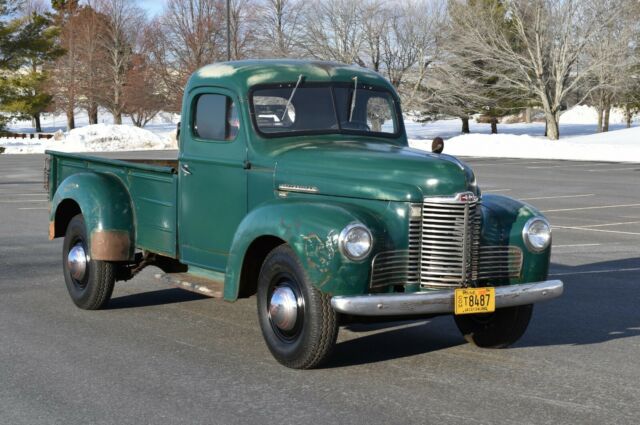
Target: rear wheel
{"type": "Point", "coordinates": [297, 321]}
{"type": "Point", "coordinates": [89, 282]}
{"type": "Point", "coordinates": [499, 329]}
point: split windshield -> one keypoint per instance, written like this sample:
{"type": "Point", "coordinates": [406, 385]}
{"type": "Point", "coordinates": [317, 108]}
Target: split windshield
{"type": "Point", "coordinates": [285, 109]}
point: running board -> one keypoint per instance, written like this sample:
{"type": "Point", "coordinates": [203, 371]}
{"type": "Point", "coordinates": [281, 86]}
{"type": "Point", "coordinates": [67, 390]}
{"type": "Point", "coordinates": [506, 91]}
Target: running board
{"type": "Point", "coordinates": [190, 282]}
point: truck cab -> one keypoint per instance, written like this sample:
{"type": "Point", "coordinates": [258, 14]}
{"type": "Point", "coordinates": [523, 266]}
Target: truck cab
{"type": "Point", "coordinates": [295, 183]}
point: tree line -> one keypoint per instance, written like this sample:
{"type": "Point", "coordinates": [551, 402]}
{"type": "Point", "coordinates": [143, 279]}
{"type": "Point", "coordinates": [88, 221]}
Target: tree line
{"type": "Point", "coordinates": [454, 58]}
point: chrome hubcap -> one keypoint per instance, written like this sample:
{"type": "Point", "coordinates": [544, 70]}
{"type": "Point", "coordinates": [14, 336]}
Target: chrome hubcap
{"type": "Point", "coordinates": [283, 308]}
{"type": "Point", "coordinates": [77, 262]}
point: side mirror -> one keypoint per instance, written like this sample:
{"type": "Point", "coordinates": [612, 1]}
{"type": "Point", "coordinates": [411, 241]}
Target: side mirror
{"type": "Point", "coordinates": [178, 133]}
{"type": "Point", "coordinates": [437, 146]}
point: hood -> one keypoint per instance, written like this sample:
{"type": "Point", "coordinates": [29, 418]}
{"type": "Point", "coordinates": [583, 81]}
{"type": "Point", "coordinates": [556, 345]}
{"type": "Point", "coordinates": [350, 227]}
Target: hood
{"type": "Point", "coordinates": [371, 170]}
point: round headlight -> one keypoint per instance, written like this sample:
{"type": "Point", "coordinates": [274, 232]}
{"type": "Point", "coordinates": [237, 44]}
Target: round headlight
{"type": "Point", "coordinates": [355, 241]}
{"type": "Point", "coordinates": [537, 234]}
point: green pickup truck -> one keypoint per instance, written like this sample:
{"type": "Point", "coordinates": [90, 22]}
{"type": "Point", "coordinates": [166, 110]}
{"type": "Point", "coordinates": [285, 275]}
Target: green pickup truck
{"type": "Point", "coordinates": [295, 183]}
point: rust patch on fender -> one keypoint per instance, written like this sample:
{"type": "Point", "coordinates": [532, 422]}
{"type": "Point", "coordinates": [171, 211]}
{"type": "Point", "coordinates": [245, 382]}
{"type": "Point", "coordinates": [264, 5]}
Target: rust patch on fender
{"type": "Point", "coordinates": [110, 245]}
{"type": "Point", "coordinates": [52, 230]}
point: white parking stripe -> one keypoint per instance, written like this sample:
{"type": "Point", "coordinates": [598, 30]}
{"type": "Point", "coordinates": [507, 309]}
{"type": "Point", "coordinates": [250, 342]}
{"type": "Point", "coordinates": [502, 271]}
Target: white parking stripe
{"type": "Point", "coordinates": [632, 269]}
{"type": "Point", "coordinates": [585, 229]}
{"type": "Point", "coordinates": [508, 163]}
{"type": "Point", "coordinates": [593, 208]}
{"type": "Point", "coordinates": [14, 201]}
{"type": "Point", "coordinates": [610, 224]}
{"type": "Point", "coordinates": [24, 194]}
{"type": "Point", "coordinates": [34, 208]}
{"type": "Point", "coordinates": [558, 197]}
{"type": "Point", "coordinates": [561, 166]}
{"type": "Point", "coordinates": [576, 245]}
{"type": "Point", "coordinates": [612, 169]}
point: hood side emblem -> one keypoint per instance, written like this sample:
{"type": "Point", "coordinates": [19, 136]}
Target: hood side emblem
{"type": "Point", "coordinates": [298, 188]}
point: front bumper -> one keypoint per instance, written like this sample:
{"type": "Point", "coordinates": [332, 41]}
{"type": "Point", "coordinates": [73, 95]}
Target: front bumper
{"type": "Point", "coordinates": [439, 302]}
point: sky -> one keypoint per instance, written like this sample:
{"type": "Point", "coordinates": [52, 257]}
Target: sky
{"type": "Point", "coordinates": [154, 7]}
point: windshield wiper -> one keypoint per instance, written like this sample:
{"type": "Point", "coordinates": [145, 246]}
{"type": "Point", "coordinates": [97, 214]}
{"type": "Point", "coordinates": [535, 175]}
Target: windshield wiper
{"type": "Point", "coordinates": [286, 108]}
{"type": "Point", "coordinates": [353, 98]}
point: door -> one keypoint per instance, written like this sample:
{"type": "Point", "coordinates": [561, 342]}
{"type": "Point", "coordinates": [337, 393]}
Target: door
{"type": "Point", "coordinates": [212, 181]}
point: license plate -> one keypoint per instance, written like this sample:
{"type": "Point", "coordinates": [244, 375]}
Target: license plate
{"type": "Point", "coordinates": [475, 300]}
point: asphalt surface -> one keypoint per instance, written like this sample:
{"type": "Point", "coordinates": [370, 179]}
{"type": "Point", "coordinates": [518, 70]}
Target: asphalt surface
{"type": "Point", "coordinates": [161, 355]}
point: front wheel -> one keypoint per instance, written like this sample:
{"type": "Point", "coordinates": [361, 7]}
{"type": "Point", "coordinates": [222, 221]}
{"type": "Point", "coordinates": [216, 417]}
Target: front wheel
{"type": "Point", "coordinates": [89, 282]}
{"type": "Point", "coordinates": [499, 329]}
{"type": "Point", "coordinates": [297, 321]}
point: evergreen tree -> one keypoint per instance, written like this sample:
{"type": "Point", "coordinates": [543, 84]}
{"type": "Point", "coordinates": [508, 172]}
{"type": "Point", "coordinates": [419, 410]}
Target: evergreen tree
{"type": "Point", "coordinates": [35, 47]}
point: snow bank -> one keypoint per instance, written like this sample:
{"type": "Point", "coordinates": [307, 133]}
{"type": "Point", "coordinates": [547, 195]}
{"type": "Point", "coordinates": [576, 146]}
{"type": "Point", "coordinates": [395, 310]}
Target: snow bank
{"type": "Point", "coordinates": [92, 138]}
{"type": "Point", "coordinates": [618, 146]}
{"type": "Point", "coordinates": [583, 114]}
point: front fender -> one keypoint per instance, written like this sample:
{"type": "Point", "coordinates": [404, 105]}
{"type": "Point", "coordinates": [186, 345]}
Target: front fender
{"type": "Point", "coordinates": [503, 220]}
{"type": "Point", "coordinates": [106, 207]}
{"type": "Point", "coordinates": [312, 229]}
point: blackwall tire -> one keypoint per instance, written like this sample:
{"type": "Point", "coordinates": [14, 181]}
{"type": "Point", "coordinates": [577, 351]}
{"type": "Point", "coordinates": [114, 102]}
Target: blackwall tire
{"type": "Point", "coordinates": [91, 289]}
{"type": "Point", "coordinates": [301, 334]}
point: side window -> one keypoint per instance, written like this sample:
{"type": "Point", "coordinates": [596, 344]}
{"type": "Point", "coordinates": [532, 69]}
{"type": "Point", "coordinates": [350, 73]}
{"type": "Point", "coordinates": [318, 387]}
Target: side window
{"type": "Point", "coordinates": [380, 115]}
{"type": "Point", "coordinates": [215, 117]}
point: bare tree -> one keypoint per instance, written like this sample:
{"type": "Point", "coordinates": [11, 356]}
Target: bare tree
{"type": "Point", "coordinates": [188, 35]}
{"type": "Point", "coordinates": [279, 28]}
{"type": "Point", "coordinates": [612, 54]}
{"type": "Point", "coordinates": [93, 59]}
{"type": "Point", "coordinates": [143, 97]}
{"type": "Point", "coordinates": [536, 52]}
{"type": "Point", "coordinates": [333, 31]}
{"type": "Point", "coordinates": [118, 40]}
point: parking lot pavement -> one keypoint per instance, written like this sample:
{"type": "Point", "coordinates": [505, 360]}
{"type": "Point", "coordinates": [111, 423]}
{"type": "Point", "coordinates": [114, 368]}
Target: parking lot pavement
{"type": "Point", "coordinates": [160, 355]}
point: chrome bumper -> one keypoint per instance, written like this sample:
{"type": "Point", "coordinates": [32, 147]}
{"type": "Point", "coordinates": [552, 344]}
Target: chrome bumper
{"type": "Point", "coordinates": [438, 302]}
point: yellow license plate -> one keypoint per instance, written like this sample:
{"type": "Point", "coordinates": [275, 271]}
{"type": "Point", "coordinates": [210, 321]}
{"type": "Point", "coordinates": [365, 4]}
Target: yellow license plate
{"type": "Point", "coordinates": [475, 300]}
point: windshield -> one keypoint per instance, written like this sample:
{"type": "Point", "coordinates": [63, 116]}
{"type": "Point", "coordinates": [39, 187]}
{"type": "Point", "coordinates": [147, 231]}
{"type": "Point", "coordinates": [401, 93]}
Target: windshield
{"type": "Point", "coordinates": [279, 111]}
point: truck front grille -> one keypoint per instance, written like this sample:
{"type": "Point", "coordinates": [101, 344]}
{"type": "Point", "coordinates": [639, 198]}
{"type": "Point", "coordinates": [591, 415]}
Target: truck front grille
{"type": "Point", "coordinates": [450, 241]}
{"type": "Point", "coordinates": [444, 249]}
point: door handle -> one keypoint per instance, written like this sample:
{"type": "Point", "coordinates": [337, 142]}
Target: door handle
{"type": "Point", "coordinates": [185, 169]}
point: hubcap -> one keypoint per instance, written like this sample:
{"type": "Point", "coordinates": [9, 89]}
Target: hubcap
{"type": "Point", "coordinates": [77, 262]}
{"type": "Point", "coordinates": [283, 308]}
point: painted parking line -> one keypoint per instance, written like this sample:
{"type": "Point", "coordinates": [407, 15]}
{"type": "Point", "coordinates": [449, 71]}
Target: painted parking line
{"type": "Point", "coordinates": [561, 166]}
{"type": "Point", "coordinates": [34, 208]}
{"type": "Point", "coordinates": [20, 201]}
{"type": "Point", "coordinates": [605, 170]}
{"type": "Point", "coordinates": [496, 190]}
{"type": "Point", "coordinates": [558, 197]}
{"type": "Point", "coordinates": [23, 194]}
{"type": "Point", "coordinates": [481, 164]}
{"type": "Point", "coordinates": [576, 245]}
{"type": "Point", "coordinates": [610, 224]}
{"type": "Point", "coordinates": [592, 208]}
{"type": "Point", "coordinates": [631, 269]}
{"type": "Point", "coordinates": [587, 229]}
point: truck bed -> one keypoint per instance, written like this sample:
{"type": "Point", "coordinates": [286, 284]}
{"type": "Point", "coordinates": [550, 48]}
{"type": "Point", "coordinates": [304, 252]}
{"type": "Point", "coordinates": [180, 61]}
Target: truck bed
{"type": "Point", "coordinates": [152, 185]}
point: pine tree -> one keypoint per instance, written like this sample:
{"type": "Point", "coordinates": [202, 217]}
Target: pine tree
{"type": "Point", "coordinates": [37, 44]}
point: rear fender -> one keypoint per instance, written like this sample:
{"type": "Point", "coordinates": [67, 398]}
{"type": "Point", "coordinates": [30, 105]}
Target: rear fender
{"type": "Point", "coordinates": [106, 207]}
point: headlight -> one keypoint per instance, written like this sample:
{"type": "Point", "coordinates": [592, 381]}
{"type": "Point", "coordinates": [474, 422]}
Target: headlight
{"type": "Point", "coordinates": [537, 234]}
{"type": "Point", "coordinates": [355, 241]}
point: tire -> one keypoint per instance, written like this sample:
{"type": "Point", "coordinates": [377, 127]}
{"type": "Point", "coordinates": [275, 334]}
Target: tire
{"type": "Point", "coordinates": [306, 339]}
{"type": "Point", "coordinates": [93, 290]}
{"type": "Point", "coordinates": [495, 330]}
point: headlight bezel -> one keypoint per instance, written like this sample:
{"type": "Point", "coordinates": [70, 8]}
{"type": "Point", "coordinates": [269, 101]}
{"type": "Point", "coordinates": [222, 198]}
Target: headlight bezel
{"type": "Point", "coordinates": [343, 238]}
{"type": "Point", "coordinates": [526, 234]}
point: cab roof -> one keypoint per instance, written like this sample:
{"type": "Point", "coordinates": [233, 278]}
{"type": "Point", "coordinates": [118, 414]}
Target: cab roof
{"type": "Point", "coordinates": [240, 76]}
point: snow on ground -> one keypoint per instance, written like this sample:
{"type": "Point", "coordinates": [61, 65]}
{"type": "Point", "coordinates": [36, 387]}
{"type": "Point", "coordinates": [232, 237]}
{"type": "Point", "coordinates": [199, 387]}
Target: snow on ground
{"type": "Point", "coordinates": [105, 136]}
{"type": "Point", "coordinates": [579, 140]}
